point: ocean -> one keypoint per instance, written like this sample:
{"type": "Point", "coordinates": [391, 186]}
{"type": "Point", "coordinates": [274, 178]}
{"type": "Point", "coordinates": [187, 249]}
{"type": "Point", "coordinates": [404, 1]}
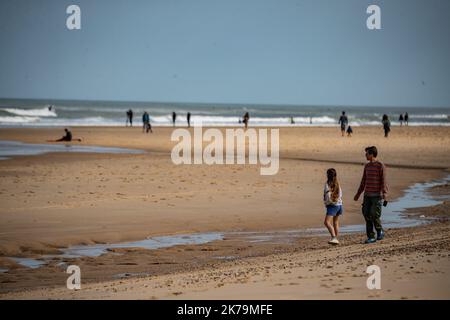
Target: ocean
{"type": "Point", "coordinates": [36, 113]}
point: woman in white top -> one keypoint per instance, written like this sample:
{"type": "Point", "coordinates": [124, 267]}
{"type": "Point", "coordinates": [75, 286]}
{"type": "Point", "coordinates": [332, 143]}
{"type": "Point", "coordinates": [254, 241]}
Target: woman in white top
{"type": "Point", "coordinates": [332, 198]}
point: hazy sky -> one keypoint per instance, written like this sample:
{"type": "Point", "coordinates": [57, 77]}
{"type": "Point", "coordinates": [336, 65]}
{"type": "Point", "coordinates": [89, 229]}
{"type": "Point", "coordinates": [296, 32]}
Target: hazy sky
{"type": "Point", "coordinates": [244, 51]}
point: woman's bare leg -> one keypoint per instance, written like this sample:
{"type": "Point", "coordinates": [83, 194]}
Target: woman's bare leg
{"type": "Point", "coordinates": [336, 225]}
{"type": "Point", "coordinates": [329, 225]}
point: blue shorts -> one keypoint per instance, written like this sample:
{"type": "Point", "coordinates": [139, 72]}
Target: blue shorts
{"type": "Point", "coordinates": [335, 210]}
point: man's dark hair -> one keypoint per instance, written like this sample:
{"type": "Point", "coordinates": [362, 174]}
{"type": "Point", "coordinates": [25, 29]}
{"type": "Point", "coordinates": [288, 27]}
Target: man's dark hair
{"type": "Point", "coordinates": [343, 112]}
{"type": "Point", "coordinates": [372, 150]}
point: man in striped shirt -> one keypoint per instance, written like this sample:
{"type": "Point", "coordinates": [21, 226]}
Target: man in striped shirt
{"type": "Point", "coordinates": [374, 186]}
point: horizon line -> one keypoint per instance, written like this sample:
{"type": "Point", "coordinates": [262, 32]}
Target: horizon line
{"type": "Point", "coordinates": [230, 103]}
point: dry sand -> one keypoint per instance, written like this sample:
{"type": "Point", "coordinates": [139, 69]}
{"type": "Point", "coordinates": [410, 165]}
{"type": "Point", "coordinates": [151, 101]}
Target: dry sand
{"type": "Point", "coordinates": [56, 200]}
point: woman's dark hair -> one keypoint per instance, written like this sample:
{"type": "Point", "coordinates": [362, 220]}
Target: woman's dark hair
{"type": "Point", "coordinates": [333, 184]}
{"type": "Point", "coordinates": [372, 150]}
{"type": "Point", "coordinates": [385, 117]}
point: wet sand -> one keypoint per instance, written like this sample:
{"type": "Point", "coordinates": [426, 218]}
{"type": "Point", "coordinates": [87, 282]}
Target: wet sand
{"type": "Point", "coordinates": [414, 264]}
{"type": "Point", "coordinates": [57, 200]}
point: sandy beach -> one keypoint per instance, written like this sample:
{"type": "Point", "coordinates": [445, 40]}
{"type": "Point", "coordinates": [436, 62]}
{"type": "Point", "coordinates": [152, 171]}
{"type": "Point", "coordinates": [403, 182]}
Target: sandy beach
{"type": "Point", "coordinates": [57, 200]}
{"type": "Point", "coordinates": [225, 150]}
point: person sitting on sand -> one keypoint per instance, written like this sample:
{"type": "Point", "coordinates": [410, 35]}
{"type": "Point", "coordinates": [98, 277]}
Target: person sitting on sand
{"type": "Point", "coordinates": [66, 137]}
{"type": "Point", "coordinates": [332, 198]}
{"type": "Point", "coordinates": [349, 131]}
{"type": "Point", "coordinates": [374, 185]}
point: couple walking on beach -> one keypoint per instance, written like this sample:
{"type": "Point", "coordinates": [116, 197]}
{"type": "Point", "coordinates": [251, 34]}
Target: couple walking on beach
{"type": "Point", "coordinates": [374, 186]}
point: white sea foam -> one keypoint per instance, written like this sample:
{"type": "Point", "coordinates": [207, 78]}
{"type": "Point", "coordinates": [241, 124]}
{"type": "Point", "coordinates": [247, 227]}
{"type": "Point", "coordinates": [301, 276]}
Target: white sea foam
{"type": "Point", "coordinates": [429, 116]}
{"type": "Point", "coordinates": [41, 112]}
{"type": "Point", "coordinates": [206, 121]}
{"type": "Point", "coordinates": [114, 114]}
{"type": "Point", "coordinates": [18, 120]}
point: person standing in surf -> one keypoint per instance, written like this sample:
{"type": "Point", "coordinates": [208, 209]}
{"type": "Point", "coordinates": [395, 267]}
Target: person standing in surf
{"type": "Point", "coordinates": [146, 123]}
{"type": "Point", "coordinates": [343, 121]}
{"type": "Point", "coordinates": [174, 118]}
{"type": "Point", "coordinates": [374, 186]}
{"type": "Point", "coordinates": [129, 118]}
{"type": "Point", "coordinates": [246, 119]}
{"type": "Point", "coordinates": [386, 125]}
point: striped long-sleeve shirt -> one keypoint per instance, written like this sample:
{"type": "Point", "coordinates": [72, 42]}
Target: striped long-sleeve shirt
{"type": "Point", "coordinates": [373, 181]}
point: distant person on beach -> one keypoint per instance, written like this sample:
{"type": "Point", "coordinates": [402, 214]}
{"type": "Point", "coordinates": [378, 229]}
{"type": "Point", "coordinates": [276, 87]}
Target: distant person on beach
{"type": "Point", "coordinates": [145, 119]}
{"type": "Point", "coordinates": [349, 131]}
{"type": "Point", "coordinates": [400, 119]}
{"type": "Point", "coordinates": [343, 121]}
{"type": "Point", "coordinates": [174, 118]}
{"type": "Point", "coordinates": [386, 125]}
{"type": "Point", "coordinates": [149, 126]}
{"type": "Point", "coordinates": [332, 198]}
{"type": "Point", "coordinates": [188, 117]}
{"type": "Point", "coordinates": [146, 123]}
{"type": "Point", "coordinates": [406, 118]}
{"type": "Point", "coordinates": [374, 186]}
{"type": "Point", "coordinates": [292, 120]}
{"type": "Point", "coordinates": [129, 118]}
{"type": "Point", "coordinates": [245, 119]}
{"type": "Point", "coordinates": [50, 108]}
{"type": "Point", "coordinates": [67, 137]}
